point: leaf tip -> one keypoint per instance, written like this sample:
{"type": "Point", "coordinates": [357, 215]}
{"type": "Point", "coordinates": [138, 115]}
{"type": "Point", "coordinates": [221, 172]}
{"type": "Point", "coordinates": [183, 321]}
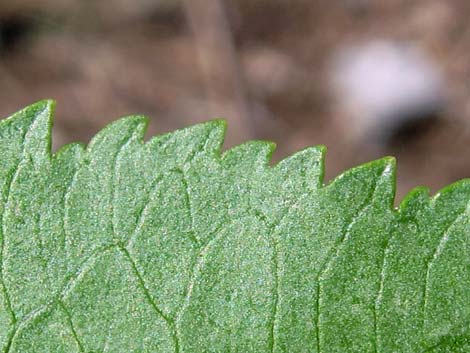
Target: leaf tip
{"type": "Point", "coordinates": [216, 136]}
{"type": "Point", "coordinates": [125, 128]}
{"type": "Point", "coordinates": [44, 105]}
{"type": "Point", "coordinates": [251, 153]}
{"type": "Point", "coordinates": [75, 149]}
{"type": "Point", "coordinates": [389, 162]}
{"type": "Point", "coordinates": [418, 195]}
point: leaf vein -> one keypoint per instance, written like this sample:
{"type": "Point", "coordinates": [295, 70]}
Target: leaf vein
{"type": "Point", "coordinates": [169, 321]}
{"type": "Point", "coordinates": [141, 217]}
{"type": "Point", "coordinates": [378, 299]}
{"type": "Point", "coordinates": [72, 327]}
{"type": "Point", "coordinates": [11, 180]}
{"type": "Point", "coordinates": [189, 206]}
{"type": "Point", "coordinates": [195, 273]}
{"type": "Point", "coordinates": [63, 293]}
{"type": "Point", "coordinates": [437, 252]}
{"type": "Point", "coordinates": [331, 258]}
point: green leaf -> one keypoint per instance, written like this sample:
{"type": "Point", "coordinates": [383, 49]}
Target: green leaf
{"type": "Point", "coordinates": [172, 246]}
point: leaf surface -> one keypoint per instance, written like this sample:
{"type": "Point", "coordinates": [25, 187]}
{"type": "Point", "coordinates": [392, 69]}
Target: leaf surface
{"type": "Point", "coordinates": [171, 245]}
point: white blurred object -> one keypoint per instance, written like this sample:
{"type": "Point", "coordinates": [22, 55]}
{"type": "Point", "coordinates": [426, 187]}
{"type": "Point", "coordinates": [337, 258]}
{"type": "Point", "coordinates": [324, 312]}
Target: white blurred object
{"type": "Point", "coordinates": [382, 86]}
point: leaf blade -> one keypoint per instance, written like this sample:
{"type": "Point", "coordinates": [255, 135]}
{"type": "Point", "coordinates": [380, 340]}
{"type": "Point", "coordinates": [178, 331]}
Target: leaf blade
{"type": "Point", "coordinates": [171, 245]}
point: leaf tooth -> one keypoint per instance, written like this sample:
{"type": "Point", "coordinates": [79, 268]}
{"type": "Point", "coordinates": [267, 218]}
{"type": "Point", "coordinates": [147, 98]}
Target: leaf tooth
{"type": "Point", "coordinates": [461, 187]}
{"type": "Point", "coordinates": [215, 139]}
{"type": "Point", "coordinates": [72, 151]}
{"type": "Point", "coordinates": [128, 127]}
{"type": "Point", "coordinates": [28, 115]}
{"type": "Point", "coordinates": [37, 142]}
{"type": "Point", "coordinates": [186, 143]}
{"type": "Point", "coordinates": [374, 180]}
{"type": "Point", "coordinates": [387, 182]}
{"type": "Point", "coordinates": [448, 198]}
{"type": "Point", "coordinates": [452, 199]}
{"type": "Point", "coordinates": [252, 154]}
{"type": "Point", "coordinates": [415, 200]}
{"type": "Point", "coordinates": [383, 167]}
{"type": "Point", "coordinates": [308, 164]}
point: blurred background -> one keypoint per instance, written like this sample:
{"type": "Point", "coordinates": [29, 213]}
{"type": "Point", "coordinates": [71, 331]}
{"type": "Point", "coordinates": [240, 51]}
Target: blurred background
{"type": "Point", "coordinates": [365, 78]}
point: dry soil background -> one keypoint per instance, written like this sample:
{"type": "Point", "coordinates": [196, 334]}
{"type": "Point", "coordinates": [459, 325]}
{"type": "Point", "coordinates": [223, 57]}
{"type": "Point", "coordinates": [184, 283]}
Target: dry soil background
{"type": "Point", "coordinates": [261, 64]}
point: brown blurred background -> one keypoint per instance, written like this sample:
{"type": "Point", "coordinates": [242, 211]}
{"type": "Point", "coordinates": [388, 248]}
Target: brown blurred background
{"type": "Point", "coordinates": [365, 78]}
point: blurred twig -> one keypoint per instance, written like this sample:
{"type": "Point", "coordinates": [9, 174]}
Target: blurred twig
{"type": "Point", "coordinates": [219, 64]}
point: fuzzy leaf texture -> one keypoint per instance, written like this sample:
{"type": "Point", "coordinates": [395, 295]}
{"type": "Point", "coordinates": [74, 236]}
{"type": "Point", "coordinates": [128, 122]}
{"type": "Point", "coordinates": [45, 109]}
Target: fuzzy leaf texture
{"type": "Point", "coordinates": [171, 245]}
